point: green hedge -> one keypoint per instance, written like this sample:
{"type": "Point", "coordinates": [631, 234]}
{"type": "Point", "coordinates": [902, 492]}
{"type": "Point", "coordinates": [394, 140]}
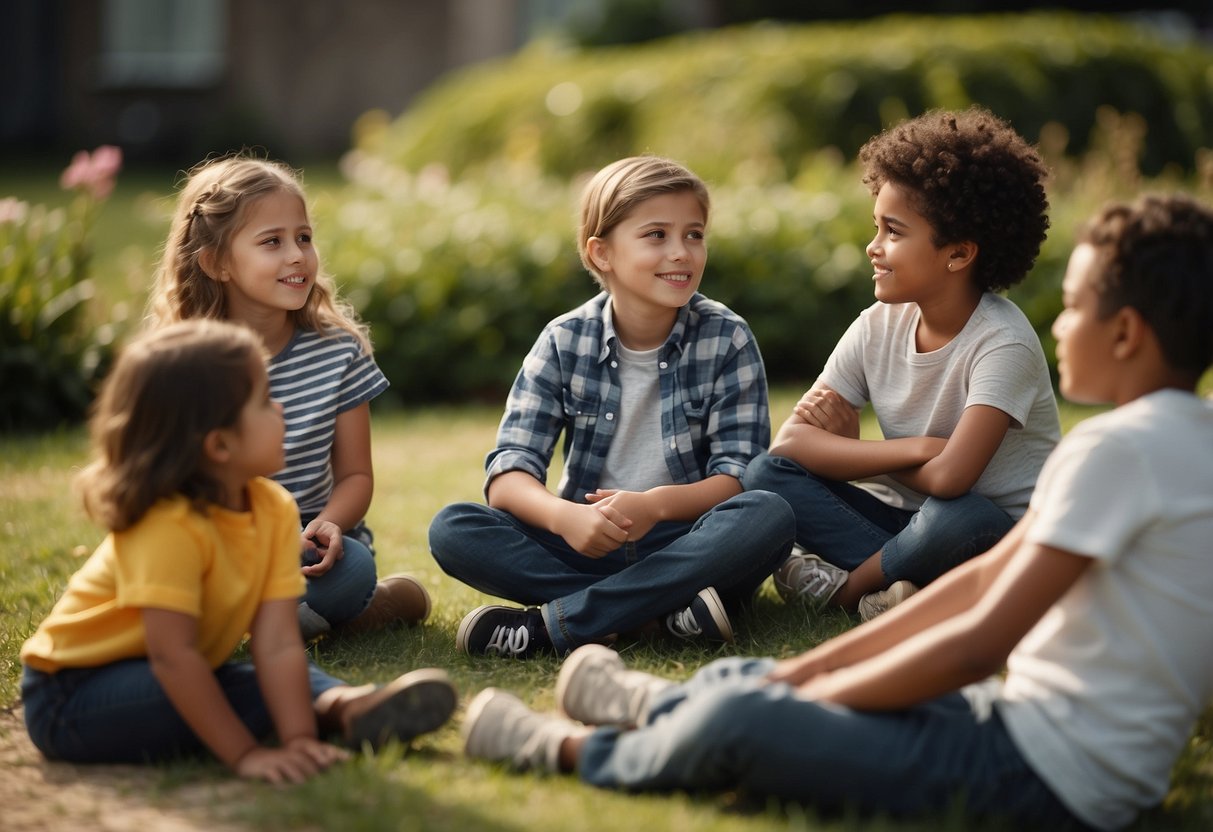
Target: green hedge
{"type": "Point", "coordinates": [757, 100]}
{"type": "Point", "coordinates": [455, 236]}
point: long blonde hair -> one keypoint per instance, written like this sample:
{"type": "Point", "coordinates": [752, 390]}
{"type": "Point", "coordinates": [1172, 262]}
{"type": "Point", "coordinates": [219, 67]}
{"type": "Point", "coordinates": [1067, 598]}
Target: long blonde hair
{"type": "Point", "coordinates": [211, 207]}
{"type": "Point", "coordinates": [168, 389]}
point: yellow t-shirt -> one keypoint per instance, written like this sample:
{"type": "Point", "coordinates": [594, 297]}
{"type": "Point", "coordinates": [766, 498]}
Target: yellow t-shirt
{"type": "Point", "coordinates": [218, 567]}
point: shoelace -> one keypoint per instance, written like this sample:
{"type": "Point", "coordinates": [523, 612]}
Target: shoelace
{"type": "Point", "coordinates": [508, 641]}
{"type": "Point", "coordinates": [684, 623]}
{"type": "Point", "coordinates": [813, 579]}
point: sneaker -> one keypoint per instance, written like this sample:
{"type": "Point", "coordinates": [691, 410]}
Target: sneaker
{"type": "Point", "coordinates": [595, 688]}
{"type": "Point", "coordinates": [415, 703]}
{"type": "Point", "coordinates": [874, 603]}
{"type": "Point", "coordinates": [398, 599]}
{"type": "Point", "coordinates": [499, 727]}
{"type": "Point", "coordinates": [312, 625]}
{"type": "Point", "coordinates": [705, 618]}
{"type": "Point", "coordinates": [494, 630]}
{"type": "Point", "coordinates": [805, 576]}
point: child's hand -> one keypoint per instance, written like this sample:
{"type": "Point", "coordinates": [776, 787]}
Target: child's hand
{"type": "Point", "coordinates": [823, 408]}
{"type": "Point", "coordinates": [291, 764]}
{"type": "Point", "coordinates": [321, 538]}
{"type": "Point", "coordinates": [634, 505]}
{"type": "Point", "coordinates": [593, 531]}
{"type": "Point", "coordinates": [323, 753]}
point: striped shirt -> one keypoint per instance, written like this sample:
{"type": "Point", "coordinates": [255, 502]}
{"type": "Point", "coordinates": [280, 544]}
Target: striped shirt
{"type": "Point", "coordinates": [714, 416]}
{"type": "Point", "coordinates": [315, 378]}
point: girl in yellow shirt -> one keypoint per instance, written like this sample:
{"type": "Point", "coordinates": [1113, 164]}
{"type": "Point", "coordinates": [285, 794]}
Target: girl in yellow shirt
{"type": "Point", "coordinates": [133, 663]}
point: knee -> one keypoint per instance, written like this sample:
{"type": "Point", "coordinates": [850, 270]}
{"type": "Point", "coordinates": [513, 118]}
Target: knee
{"type": "Point", "coordinates": [770, 473]}
{"type": "Point", "coordinates": [449, 530]}
{"type": "Point", "coordinates": [769, 517]}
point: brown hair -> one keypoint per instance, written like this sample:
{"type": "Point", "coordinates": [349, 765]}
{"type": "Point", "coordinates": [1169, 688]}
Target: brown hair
{"type": "Point", "coordinates": [1156, 256]}
{"type": "Point", "coordinates": [615, 191]}
{"type": "Point", "coordinates": [167, 391]}
{"type": "Point", "coordinates": [211, 207]}
{"type": "Point", "coordinates": [973, 178]}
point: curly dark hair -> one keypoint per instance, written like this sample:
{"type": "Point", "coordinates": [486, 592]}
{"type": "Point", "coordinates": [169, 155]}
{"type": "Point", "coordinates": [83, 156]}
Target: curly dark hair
{"type": "Point", "coordinates": [973, 178]}
{"type": "Point", "coordinates": [1156, 256]}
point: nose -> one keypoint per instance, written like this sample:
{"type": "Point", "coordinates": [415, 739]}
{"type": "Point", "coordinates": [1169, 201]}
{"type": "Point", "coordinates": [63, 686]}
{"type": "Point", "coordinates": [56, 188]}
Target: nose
{"type": "Point", "coordinates": [1059, 325]}
{"type": "Point", "coordinates": [873, 246]}
{"type": "Point", "coordinates": [678, 249]}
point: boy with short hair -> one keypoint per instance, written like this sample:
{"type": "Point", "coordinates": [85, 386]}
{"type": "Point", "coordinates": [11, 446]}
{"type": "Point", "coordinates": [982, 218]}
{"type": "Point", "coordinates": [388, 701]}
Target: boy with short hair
{"type": "Point", "coordinates": [1099, 603]}
{"type": "Point", "coordinates": [662, 399]}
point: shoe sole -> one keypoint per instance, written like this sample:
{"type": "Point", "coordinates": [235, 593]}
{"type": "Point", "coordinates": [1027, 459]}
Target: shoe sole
{"type": "Point", "coordinates": [569, 669]}
{"type": "Point", "coordinates": [416, 703]}
{"type": "Point", "coordinates": [471, 620]}
{"type": "Point", "coordinates": [720, 617]}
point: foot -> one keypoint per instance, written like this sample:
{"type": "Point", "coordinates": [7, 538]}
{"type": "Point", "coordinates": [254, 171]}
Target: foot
{"type": "Point", "coordinates": [494, 630]}
{"type": "Point", "coordinates": [875, 603]}
{"type": "Point", "coordinates": [705, 619]}
{"type": "Point", "coordinates": [398, 599]}
{"type": "Point", "coordinates": [806, 577]}
{"type": "Point", "coordinates": [413, 704]}
{"type": "Point", "coordinates": [312, 625]}
{"type": "Point", "coordinates": [596, 688]}
{"type": "Point", "coordinates": [499, 727]}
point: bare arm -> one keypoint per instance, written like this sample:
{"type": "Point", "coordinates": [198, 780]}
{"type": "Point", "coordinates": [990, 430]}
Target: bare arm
{"type": "Point", "coordinates": [591, 530]}
{"type": "Point", "coordinates": [353, 486]}
{"type": "Point", "coordinates": [688, 502]}
{"type": "Point", "coordinates": [191, 686]}
{"type": "Point", "coordinates": [843, 458]}
{"type": "Point", "coordinates": [963, 649]}
{"type": "Point", "coordinates": [956, 469]}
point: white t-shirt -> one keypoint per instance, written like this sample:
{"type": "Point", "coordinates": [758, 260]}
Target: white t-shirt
{"type": "Point", "coordinates": [1102, 694]}
{"type": "Point", "coordinates": [995, 360]}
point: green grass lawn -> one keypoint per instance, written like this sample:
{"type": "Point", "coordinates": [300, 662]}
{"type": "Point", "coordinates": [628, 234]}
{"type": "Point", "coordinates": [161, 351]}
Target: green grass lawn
{"type": "Point", "coordinates": [425, 459]}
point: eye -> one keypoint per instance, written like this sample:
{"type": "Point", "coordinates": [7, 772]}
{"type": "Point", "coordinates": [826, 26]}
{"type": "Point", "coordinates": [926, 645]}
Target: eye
{"type": "Point", "coordinates": [656, 234]}
{"type": "Point", "coordinates": [695, 235]}
{"type": "Point", "coordinates": [305, 237]}
{"type": "Point", "coordinates": [270, 241]}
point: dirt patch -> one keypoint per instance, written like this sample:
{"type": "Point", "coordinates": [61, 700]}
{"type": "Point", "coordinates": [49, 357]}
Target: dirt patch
{"type": "Point", "coordinates": [39, 795]}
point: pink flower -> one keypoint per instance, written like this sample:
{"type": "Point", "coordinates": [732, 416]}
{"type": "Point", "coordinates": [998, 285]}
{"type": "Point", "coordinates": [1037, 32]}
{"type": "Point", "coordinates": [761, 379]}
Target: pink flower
{"type": "Point", "coordinates": [93, 172]}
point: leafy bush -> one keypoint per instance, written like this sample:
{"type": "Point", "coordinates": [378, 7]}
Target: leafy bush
{"type": "Point", "coordinates": [50, 352]}
{"type": "Point", "coordinates": [762, 99]}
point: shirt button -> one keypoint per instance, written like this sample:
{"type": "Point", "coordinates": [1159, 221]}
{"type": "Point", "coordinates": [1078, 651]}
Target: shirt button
{"type": "Point", "coordinates": [614, 363]}
{"type": "Point", "coordinates": [610, 416]}
{"type": "Point", "coordinates": [663, 364]}
{"type": "Point", "coordinates": [673, 444]}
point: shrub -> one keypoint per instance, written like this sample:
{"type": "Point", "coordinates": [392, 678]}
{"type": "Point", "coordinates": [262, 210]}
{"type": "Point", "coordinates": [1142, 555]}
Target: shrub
{"type": "Point", "coordinates": [50, 352]}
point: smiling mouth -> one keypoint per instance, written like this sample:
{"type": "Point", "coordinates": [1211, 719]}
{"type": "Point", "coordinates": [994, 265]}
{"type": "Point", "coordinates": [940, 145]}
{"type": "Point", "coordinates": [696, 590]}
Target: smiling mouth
{"type": "Point", "coordinates": [679, 278]}
{"type": "Point", "coordinates": [294, 280]}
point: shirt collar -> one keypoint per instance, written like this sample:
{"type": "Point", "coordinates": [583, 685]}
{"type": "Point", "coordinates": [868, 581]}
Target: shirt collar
{"type": "Point", "coordinates": [609, 338]}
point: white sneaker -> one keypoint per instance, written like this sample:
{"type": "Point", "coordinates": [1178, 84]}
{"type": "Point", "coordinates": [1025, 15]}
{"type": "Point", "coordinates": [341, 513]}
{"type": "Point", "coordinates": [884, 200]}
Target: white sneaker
{"type": "Point", "coordinates": [807, 577]}
{"type": "Point", "coordinates": [596, 688]}
{"type": "Point", "coordinates": [874, 603]}
{"type": "Point", "coordinates": [499, 727]}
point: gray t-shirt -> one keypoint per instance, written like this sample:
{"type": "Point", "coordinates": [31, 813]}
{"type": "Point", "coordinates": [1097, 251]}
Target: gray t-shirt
{"type": "Point", "coordinates": [995, 360]}
{"type": "Point", "coordinates": [636, 459]}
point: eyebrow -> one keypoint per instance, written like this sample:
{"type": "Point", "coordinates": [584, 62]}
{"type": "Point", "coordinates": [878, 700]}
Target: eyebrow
{"type": "Point", "coordinates": [281, 229]}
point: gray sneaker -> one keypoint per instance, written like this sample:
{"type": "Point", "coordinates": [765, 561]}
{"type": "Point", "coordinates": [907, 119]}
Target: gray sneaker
{"type": "Point", "coordinates": [499, 727]}
{"type": "Point", "coordinates": [806, 577]}
{"type": "Point", "coordinates": [594, 687]}
{"type": "Point", "coordinates": [875, 603]}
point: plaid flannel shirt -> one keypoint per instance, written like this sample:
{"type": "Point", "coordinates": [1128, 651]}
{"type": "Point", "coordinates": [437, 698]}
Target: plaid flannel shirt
{"type": "Point", "coordinates": [714, 412]}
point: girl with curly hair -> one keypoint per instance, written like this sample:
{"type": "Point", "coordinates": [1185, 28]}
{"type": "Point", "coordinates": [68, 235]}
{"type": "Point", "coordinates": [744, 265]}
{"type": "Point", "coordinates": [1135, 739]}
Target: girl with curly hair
{"type": "Point", "coordinates": [954, 372]}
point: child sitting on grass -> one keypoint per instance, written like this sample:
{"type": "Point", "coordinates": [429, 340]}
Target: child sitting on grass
{"type": "Point", "coordinates": [133, 663]}
{"type": "Point", "coordinates": [954, 371]}
{"type": "Point", "coordinates": [1099, 603]}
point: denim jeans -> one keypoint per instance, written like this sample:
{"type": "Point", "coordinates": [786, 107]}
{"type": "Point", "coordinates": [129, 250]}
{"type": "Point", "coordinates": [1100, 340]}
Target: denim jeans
{"type": "Point", "coordinates": [733, 548]}
{"type": "Point", "coordinates": [726, 728]}
{"type": "Point", "coordinates": [846, 525]}
{"type": "Point", "coordinates": [345, 590]}
{"type": "Point", "coordinates": [118, 713]}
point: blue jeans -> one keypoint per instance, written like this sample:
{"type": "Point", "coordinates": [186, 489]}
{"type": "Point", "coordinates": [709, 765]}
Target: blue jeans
{"type": "Point", "coordinates": [118, 713]}
{"type": "Point", "coordinates": [846, 525]}
{"type": "Point", "coordinates": [733, 548]}
{"type": "Point", "coordinates": [340, 594]}
{"type": "Point", "coordinates": [726, 728]}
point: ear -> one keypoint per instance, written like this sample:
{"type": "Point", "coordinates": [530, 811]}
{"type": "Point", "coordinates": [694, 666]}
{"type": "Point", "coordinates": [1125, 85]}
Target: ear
{"type": "Point", "coordinates": [597, 250]}
{"type": "Point", "coordinates": [961, 255]}
{"type": "Point", "coordinates": [210, 265]}
{"type": "Point", "coordinates": [214, 447]}
{"type": "Point", "coordinates": [1130, 334]}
